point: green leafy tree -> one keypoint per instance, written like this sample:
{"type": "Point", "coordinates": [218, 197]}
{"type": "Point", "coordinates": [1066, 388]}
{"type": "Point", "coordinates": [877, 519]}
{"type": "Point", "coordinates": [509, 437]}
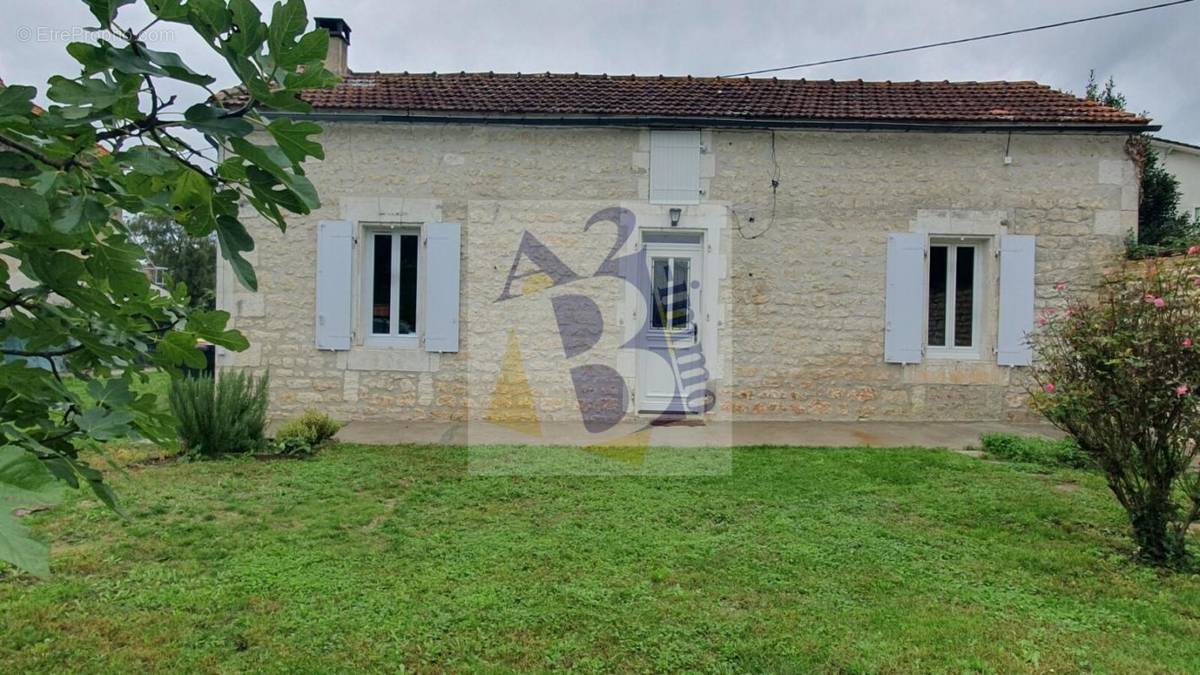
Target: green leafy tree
{"type": "Point", "coordinates": [74, 302]}
{"type": "Point", "coordinates": [182, 258]}
{"type": "Point", "coordinates": [1160, 223]}
{"type": "Point", "coordinates": [1159, 220]}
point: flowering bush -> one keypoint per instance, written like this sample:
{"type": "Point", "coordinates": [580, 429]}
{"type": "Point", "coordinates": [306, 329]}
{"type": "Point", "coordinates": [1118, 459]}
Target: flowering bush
{"type": "Point", "coordinates": [1118, 372]}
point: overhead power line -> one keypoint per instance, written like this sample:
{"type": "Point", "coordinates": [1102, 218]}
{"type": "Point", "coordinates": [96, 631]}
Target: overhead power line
{"type": "Point", "coordinates": [960, 40]}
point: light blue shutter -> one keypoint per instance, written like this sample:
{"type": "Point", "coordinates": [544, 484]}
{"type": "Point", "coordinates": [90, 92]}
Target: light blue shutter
{"type": "Point", "coordinates": [335, 246]}
{"type": "Point", "coordinates": [905, 302]}
{"type": "Point", "coordinates": [442, 243]}
{"type": "Point", "coordinates": [1016, 301]}
{"type": "Point", "coordinates": [675, 167]}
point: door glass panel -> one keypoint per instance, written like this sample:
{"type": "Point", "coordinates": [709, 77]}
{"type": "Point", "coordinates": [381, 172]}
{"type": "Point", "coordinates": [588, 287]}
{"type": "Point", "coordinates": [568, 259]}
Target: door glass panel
{"type": "Point", "coordinates": [381, 286]}
{"type": "Point", "coordinates": [408, 285]}
{"type": "Point", "coordinates": [659, 291]}
{"type": "Point", "coordinates": [679, 292]}
{"type": "Point", "coordinates": [964, 295]}
{"type": "Point", "coordinates": [937, 296]}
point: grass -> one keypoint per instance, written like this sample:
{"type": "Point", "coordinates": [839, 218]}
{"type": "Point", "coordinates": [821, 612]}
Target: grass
{"type": "Point", "coordinates": [1036, 450]}
{"type": "Point", "coordinates": [801, 560]}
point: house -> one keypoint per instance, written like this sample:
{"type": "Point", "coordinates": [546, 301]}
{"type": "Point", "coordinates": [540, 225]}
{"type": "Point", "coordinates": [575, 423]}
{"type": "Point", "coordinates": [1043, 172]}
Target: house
{"type": "Point", "coordinates": [1183, 161]}
{"type": "Point", "coordinates": [522, 248]}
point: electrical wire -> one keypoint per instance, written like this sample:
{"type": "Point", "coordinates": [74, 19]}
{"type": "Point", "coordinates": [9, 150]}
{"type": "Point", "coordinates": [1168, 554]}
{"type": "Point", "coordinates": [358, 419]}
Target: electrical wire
{"type": "Point", "coordinates": [945, 43]}
{"type": "Point", "coordinates": [774, 196]}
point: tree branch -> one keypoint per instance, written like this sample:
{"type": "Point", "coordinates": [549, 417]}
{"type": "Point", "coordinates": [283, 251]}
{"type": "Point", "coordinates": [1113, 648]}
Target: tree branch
{"type": "Point", "coordinates": [48, 355]}
{"type": "Point", "coordinates": [31, 152]}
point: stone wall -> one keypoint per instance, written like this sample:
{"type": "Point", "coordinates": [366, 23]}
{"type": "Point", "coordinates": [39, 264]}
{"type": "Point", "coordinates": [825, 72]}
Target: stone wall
{"type": "Point", "coordinates": [801, 319]}
{"type": "Point", "coordinates": [809, 293]}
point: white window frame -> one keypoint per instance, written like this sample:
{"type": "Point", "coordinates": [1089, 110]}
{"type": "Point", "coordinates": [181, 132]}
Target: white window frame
{"type": "Point", "coordinates": [404, 341]}
{"type": "Point", "coordinates": [949, 351]}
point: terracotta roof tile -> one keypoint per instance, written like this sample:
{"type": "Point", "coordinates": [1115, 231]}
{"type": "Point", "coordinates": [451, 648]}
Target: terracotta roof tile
{"type": "Point", "coordinates": [749, 98]}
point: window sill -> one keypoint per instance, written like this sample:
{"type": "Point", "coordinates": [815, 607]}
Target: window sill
{"type": "Point", "coordinates": [392, 342]}
{"type": "Point", "coordinates": [951, 354]}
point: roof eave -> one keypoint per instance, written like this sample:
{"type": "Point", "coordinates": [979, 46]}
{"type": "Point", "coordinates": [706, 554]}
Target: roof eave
{"type": "Point", "coordinates": [692, 121]}
{"type": "Point", "coordinates": [1176, 145]}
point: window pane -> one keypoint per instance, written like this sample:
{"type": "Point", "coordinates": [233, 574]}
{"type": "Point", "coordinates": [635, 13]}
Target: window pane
{"type": "Point", "coordinates": [381, 286]}
{"type": "Point", "coordinates": [964, 296]}
{"type": "Point", "coordinates": [659, 291]}
{"type": "Point", "coordinates": [679, 288]}
{"type": "Point", "coordinates": [937, 296]}
{"type": "Point", "coordinates": [408, 285]}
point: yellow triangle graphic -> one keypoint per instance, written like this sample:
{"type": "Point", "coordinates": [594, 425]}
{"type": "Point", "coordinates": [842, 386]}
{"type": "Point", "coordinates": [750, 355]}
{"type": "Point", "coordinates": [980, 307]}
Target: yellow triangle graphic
{"type": "Point", "coordinates": [536, 282]}
{"type": "Point", "coordinates": [512, 403]}
{"type": "Point", "coordinates": [630, 448]}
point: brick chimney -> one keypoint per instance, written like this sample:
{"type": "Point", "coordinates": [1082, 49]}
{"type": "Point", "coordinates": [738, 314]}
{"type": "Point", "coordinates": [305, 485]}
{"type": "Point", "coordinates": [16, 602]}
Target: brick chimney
{"type": "Point", "coordinates": [339, 44]}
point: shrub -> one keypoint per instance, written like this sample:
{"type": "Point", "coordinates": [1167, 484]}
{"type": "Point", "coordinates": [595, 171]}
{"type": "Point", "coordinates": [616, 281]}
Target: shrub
{"type": "Point", "coordinates": [227, 415]}
{"type": "Point", "coordinates": [1139, 250]}
{"type": "Point", "coordinates": [312, 427]}
{"type": "Point", "coordinates": [1036, 450]}
{"type": "Point", "coordinates": [1117, 373]}
{"type": "Point", "coordinates": [292, 447]}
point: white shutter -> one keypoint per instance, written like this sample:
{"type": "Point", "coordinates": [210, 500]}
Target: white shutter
{"type": "Point", "coordinates": [1016, 301]}
{"type": "Point", "coordinates": [442, 243]}
{"type": "Point", "coordinates": [675, 167]}
{"type": "Point", "coordinates": [905, 302]}
{"type": "Point", "coordinates": [335, 246]}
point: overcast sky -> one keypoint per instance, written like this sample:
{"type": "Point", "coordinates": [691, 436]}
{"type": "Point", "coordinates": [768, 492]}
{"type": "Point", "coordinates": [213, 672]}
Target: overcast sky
{"type": "Point", "coordinates": [1154, 56]}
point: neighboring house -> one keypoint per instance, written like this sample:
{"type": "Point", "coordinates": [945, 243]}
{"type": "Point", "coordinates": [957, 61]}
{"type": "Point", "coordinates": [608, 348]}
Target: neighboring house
{"type": "Point", "coordinates": [831, 250]}
{"type": "Point", "coordinates": [156, 274]}
{"type": "Point", "coordinates": [1183, 161]}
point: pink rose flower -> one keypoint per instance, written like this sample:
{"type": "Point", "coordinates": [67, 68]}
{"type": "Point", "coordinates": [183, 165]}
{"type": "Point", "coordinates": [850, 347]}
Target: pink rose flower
{"type": "Point", "coordinates": [1187, 342]}
{"type": "Point", "coordinates": [1182, 390]}
{"type": "Point", "coordinates": [1193, 250]}
{"type": "Point", "coordinates": [1049, 387]}
{"type": "Point", "coordinates": [1160, 303]}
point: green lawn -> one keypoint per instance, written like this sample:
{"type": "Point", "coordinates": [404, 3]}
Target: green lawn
{"type": "Point", "coordinates": [802, 559]}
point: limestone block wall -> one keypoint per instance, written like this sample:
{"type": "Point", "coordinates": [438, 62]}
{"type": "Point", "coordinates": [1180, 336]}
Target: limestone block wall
{"type": "Point", "coordinates": [803, 299]}
{"type": "Point", "coordinates": [809, 292]}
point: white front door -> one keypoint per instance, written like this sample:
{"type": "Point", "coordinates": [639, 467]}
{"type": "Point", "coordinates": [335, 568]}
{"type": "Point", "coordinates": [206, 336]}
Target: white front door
{"type": "Point", "coordinates": [671, 362]}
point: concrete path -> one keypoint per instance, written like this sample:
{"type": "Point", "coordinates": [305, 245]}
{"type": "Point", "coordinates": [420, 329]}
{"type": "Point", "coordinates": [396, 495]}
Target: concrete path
{"type": "Point", "coordinates": [953, 435]}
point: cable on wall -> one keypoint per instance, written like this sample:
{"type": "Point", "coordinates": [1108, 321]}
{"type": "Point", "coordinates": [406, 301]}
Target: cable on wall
{"type": "Point", "coordinates": [775, 178]}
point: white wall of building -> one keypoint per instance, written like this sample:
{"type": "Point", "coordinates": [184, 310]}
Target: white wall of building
{"type": "Point", "coordinates": [1184, 163]}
